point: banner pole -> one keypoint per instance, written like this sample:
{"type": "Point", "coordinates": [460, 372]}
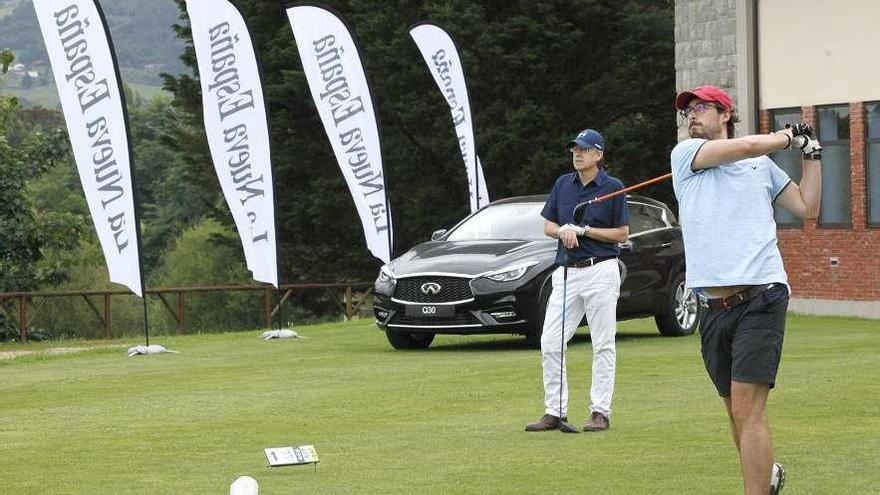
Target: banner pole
{"type": "Point", "coordinates": [262, 75]}
{"type": "Point", "coordinates": [477, 182]}
{"type": "Point", "coordinates": [137, 217]}
{"type": "Point", "coordinates": [146, 326]}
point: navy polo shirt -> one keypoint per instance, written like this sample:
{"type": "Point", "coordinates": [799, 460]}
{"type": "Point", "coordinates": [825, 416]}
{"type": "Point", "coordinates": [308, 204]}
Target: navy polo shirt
{"type": "Point", "coordinates": [567, 193]}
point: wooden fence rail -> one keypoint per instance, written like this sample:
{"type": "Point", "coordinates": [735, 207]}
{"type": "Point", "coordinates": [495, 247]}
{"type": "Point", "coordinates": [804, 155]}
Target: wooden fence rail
{"type": "Point", "coordinates": [354, 294]}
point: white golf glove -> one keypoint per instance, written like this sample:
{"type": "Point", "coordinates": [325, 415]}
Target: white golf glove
{"type": "Point", "coordinates": [809, 146]}
{"type": "Point", "coordinates": [578, 231]}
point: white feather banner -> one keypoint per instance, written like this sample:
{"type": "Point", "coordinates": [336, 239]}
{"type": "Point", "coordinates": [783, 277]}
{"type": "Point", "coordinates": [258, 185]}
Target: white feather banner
{"type": "Point", "coordinates": [332, 65]}
{"type": "Point", "coordinates": [86, 74]}
{"type": "Point", "coordinates": [444, 63]}
{"type": "Point", "coordinates": [237, 129]}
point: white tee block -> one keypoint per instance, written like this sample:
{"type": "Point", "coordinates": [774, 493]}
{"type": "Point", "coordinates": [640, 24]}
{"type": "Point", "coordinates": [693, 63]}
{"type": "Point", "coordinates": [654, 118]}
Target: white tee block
{"type": "Point", "coordinates": [244, 485]}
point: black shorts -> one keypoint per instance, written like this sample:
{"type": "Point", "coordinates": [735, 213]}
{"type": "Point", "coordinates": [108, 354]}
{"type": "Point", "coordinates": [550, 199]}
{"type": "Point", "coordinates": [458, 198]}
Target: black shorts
{"type": "Point", "coordinates": [744, 343]}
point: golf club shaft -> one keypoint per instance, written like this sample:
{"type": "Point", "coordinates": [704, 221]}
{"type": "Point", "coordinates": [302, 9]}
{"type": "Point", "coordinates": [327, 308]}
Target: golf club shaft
{"type": "Point", "coordinates": [562, 335]}
{"type": "Point", "coordinates": [631, 188]}
{"type": "Point", "coordinates": [564, 426]}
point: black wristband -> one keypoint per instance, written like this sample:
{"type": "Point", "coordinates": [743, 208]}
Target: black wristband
{"type": "Point", "coordinates": [788, 145]}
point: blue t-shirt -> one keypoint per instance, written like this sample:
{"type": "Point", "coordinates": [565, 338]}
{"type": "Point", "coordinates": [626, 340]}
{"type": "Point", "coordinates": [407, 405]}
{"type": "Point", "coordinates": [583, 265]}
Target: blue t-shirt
{"type": "Point", "coordinates": [726, 216]}
{"type": "Point", "coordinates": [567, 192]}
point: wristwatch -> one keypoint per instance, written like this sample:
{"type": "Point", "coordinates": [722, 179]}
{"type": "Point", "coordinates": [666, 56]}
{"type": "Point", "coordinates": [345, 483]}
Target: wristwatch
{"type": "Point", "coordinates": [586, 230]}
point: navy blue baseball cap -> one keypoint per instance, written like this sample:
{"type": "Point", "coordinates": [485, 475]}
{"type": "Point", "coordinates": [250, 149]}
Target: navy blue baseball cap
{"type": "Point", "coordinates": [588, 138]}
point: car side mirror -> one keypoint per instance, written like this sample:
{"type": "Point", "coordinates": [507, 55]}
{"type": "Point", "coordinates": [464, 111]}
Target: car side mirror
{"type": "Point", "coordinates": [438, 234]}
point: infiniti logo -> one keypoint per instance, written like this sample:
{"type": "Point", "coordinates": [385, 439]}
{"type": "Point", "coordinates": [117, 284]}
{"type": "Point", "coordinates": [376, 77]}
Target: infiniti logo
{"type": "Point", "coordinates": [430, 288]}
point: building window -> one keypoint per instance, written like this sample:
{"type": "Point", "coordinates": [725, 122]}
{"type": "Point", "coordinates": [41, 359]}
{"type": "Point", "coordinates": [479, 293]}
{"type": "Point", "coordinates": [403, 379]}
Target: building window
{"type": "Point", "coordinates": [834, 137]}
{"type": "Point", "coordinates": [788, 161]}
{"type": "Point", "coordinates": [872, 114]}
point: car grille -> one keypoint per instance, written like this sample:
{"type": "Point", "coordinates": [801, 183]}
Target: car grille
{"type": "Point", "coordinates": [459, 319]}
{"type": "Point", "coordinates": [451, 289]}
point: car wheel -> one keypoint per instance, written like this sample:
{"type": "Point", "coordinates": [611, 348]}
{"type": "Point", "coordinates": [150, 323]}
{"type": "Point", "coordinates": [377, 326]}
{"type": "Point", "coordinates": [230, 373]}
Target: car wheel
{"type": "Point", "coordinates": [682, 310]}
{"type": "Point", "coordinates": [536, 327]}
{"type": "Point", "coordinates": [409, 340]}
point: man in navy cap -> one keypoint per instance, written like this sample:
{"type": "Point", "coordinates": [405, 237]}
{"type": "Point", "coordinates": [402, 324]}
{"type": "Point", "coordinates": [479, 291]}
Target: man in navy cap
{"type": "Point", "coordinates": [590, 251]}
{"type": "Point", "coordinates": [726, 188]}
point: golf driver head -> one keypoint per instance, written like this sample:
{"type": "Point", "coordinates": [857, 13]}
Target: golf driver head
{"type": "Point", "coordinates": [566, 427]}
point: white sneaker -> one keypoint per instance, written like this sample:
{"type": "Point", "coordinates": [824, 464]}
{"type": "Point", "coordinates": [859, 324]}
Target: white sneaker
{"type": "Point", "coordinates": [777, 479]}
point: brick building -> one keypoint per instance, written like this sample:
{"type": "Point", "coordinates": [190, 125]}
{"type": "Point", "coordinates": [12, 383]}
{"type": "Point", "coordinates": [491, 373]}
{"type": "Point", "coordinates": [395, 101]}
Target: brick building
{"type": "Point", "coordinates": [787, 61]}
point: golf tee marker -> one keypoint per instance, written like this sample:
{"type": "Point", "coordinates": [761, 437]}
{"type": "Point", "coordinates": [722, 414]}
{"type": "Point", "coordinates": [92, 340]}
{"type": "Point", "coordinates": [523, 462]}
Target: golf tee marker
{"type": "Point", "coordinates": [291, 456]}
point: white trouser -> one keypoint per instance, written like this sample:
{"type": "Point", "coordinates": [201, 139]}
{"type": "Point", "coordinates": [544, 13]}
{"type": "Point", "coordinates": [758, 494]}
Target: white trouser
{"type": "Point", "coordinates": [593, 292]}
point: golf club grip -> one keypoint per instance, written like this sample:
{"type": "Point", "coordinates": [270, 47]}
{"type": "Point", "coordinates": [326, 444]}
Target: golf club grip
{"type": "Point", "coordinates": [631, 188]}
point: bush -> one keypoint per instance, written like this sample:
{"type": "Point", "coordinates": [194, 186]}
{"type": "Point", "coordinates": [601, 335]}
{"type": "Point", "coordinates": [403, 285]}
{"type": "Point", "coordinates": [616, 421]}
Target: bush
{"type": "Point", "coordinates": [209, 255]}
{"type": "Point", "coordinates": [72, 316]}
{"type": "Point", "coordinates": [7, 332]}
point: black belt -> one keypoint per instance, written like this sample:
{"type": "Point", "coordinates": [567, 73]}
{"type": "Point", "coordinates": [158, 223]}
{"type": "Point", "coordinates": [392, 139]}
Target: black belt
{"type": "Point", "coordinates": [588, 262]}
{"type": "Point", "coordinates": [734, 299]}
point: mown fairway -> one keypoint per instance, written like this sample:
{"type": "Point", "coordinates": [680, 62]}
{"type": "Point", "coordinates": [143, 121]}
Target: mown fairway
{"type": "Point", "coordinates": [445, 420]}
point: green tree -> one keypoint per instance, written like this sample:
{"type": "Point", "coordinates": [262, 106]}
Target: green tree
{"type": "Point", "coordinates": [538, 72]}
{"type": "Point", "coordinates": [6, 59]}
{"type": "Point", "coordinates": [24, 235]}
{"type": "Point", "coordinates": [164, 194]}
{"type": "Point", "coordinates": [169, 201]}
{"type": "Point", "coordinates": [209, 254]}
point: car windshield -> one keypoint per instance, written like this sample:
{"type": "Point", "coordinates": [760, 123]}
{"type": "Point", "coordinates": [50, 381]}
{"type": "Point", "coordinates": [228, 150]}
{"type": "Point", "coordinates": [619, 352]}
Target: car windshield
{"type": "Point", "coordinates": [504, 221]}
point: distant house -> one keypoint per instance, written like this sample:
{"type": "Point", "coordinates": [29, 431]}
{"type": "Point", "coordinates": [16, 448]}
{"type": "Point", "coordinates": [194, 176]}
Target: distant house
{"type": "Point", "coordinates": [42, 68]}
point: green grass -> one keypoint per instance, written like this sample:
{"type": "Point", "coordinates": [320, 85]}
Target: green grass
{"type": "Point", "coordinates": [445, 420]}
{"type": "Point", "coordinates": [46, 95]}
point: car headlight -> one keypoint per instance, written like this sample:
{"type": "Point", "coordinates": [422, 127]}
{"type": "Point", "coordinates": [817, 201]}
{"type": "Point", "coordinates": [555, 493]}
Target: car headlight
{"type": "Point", "coordinates": [385, 275]}
{"type": "Point", "coordinates": [385, 282]}
{"type": "Point", "coordinates": [512, 272]}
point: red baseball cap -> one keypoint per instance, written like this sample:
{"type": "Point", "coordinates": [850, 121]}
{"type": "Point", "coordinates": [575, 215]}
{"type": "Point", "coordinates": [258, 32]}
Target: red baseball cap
{"type": "Point", "coordinates": [705, 93]}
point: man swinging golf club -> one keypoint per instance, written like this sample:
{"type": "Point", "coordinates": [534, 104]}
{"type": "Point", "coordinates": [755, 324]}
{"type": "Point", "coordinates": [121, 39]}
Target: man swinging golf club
{"type": "Point", "coordinates": [726, 188]}
{"type": "Point", "coordinates": [586, 282]}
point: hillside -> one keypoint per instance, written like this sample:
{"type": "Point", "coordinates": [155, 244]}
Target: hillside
{"type": "Point", "coordinates": [145, 44]}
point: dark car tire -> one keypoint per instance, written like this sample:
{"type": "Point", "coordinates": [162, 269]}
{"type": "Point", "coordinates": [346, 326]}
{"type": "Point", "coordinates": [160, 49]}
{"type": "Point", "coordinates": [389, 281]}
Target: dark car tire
{"type": "Point", "coordinates": [409, 340]}
{"type": "Point", "coordinates": [682, 314]}
{"type": "Point", "coordinates": [536, 326]}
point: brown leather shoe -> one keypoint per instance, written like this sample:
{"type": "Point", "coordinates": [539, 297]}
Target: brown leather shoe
{"type": "Point", "coordinates": [548, 422]}
{"type": "Point", "coordinates": [597, 422]}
